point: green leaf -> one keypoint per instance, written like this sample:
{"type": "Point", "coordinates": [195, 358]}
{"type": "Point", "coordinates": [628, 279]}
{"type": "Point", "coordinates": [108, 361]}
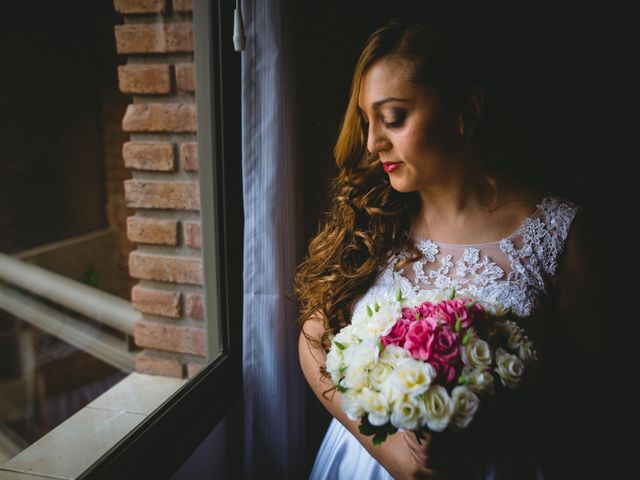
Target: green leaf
{"type": "Point", "coordinates": [366, 428]}
{"type": "Point", "coordinates": [466, 338]}
{"type": "Point", "coordinates": [340, 388]}
{"type": "Point", "coordinates": [369, 311]}
{"type": "Point", "coordinates": [376, 307]}
{"type": "Point", "coordinates": [399, 294]}
{"type": "Point", "coordinates": [453, 293]}
{"type": "Point", "coordinates": [339, 345]}
{"type": "Point", "coordinates": [462, 380]}
{"type": "Point", "coordinates": [380, 346]}
{"type": "Point", "coordinates": [458, 325]}
{"type": "Point", "coordinates": [379, 433]}
{"type": "Point", "coordinates": [471, 304]}
{"type": "Point", "coordinates": [379, 437]}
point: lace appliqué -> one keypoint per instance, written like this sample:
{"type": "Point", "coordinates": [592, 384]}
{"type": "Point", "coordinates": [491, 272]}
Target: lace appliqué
{"type": "Point", "coordinates": [533, 253]}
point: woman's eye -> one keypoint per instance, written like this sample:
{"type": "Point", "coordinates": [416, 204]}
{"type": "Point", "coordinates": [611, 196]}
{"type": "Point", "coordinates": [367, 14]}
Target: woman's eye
{"type": "Point", "coordinates": [399, 118]}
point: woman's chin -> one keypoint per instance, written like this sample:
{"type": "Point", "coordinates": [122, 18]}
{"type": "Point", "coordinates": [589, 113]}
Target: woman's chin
{"type": "Point", "coordinates": [402, 187]}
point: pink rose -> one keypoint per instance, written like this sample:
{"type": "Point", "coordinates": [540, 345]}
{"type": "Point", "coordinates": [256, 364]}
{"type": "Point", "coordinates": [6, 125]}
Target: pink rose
{"type": "Point", "coordinates": [445, 346]}
{"type": "Point", "coordinates": [445, 374]}
{"type": "Point", "coordinates": [397, 334]}
{"type": "Point", "coordinates": [445, 353]}
{"type": "Point", "coordinates": [477, 312]}
{"type": "Point", "coordinates": [450, 310]}
{"type": "Point", "coordinates": [411, 313]}
{"type": "Point", "coordinates": [419, 339]}
{"type": "Point", "coordinates": [427, 309]}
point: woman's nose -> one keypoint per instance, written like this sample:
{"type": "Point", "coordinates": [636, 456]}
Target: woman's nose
{"type": "Point", "coordinates": [376, 140]}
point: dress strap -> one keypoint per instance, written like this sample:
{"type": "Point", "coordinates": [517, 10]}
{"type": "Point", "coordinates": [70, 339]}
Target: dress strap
{"type": "Point", "coordinates": [558, 216]}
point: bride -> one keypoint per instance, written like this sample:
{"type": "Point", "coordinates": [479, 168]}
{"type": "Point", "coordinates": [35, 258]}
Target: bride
{"type": "Point", "coordinates": [415, 203]}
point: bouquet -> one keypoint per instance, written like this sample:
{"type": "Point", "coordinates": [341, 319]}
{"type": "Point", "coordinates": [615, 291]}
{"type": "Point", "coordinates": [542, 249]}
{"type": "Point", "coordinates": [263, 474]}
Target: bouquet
{"type": "Point", "coordinates": [426, 363]}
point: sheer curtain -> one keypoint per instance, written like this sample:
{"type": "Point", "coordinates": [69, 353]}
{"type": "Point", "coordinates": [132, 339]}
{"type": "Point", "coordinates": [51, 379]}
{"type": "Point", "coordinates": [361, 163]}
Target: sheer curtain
{"type": "Point", "coordinates": [273, 382]}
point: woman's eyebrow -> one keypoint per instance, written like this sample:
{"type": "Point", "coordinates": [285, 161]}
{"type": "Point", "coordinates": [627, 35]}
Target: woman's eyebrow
{"type": "Point", "coordinates": [385, 100]}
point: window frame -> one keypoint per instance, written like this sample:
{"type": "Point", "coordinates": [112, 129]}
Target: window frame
{"type": "Point", "coordinates": [170, 434]}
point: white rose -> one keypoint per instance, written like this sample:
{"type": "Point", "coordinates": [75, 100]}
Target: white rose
{"type": "Point", "coordinates": [385, 317]}
{"type": "Point", "coordinates": [465, 405]}
{"type": "Point", "coordinates": [408, 413]}
{"type": "Point", "coordinates": [479, 380]}
{"type": "Point", "coordinates": [391, 394]}
{"type": "Point", "coordinates": [363, 355]}
{"type": "Point", "coordinates": [496, 309]}
{"type": "Point", "coordinates": [376, 405]}
{"type": "Point", "coordinates": [355, 377]}
{"type": "Point", "coordinates": [527, 353]}
{"type": "Point", "coordinates": [352, 405]}
{"type": "Point", "coordinates": [510, 368]}
{"type": "Point", "coordinates": [345, 338]}
{"type": "Point", "coordinates": [334, 362]}
{"type": "Point", "coordinates": [379, 373]}
{"type": "Point", "coordinates": [392, 354]}
{"type": "Point", "coordinates": [516, 338]}
{"type": "Point", "coordinates": [386, 363]}
{"type": "Point", "coordinates": [476, 353]}
{"type": "Point", "coordinates": [438, 408]}
{"type": "Point", "coordinates": [412, 376]}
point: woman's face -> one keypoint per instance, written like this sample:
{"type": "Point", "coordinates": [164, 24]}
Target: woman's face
{"type": "Point", "coordinates": [417, 139]}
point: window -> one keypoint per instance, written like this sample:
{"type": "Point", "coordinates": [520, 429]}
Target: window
{"type": "Point", "coordinates": [55, 285]}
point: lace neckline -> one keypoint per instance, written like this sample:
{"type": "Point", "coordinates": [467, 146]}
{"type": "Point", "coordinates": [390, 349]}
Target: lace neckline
{"type": "Point", "coordinates": [513, 234]}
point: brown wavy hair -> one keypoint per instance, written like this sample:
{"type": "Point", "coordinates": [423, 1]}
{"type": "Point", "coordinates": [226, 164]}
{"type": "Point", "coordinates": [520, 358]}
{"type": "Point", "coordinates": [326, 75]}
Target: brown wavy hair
{"type": "Point", "coordinates": [368, 219]}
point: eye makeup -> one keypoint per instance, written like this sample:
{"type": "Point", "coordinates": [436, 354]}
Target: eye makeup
{"type": "Point", "coordinates": [399, 116]}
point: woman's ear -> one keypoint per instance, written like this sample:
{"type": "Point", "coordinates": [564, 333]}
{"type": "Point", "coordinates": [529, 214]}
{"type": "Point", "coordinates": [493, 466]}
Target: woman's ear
{"type": "Point", "coordinates": [471, 110]}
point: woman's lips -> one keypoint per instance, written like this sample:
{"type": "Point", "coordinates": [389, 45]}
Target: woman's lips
{"type": "Point", "coordinates": [391, 166]}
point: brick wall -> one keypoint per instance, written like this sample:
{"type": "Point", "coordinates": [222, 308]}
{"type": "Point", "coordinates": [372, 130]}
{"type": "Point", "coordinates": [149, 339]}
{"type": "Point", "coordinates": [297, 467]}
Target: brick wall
{"type": "Point", "coordinates": [156, 38]}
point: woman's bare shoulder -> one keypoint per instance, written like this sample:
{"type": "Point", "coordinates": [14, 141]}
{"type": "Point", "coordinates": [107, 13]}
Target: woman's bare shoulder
{"type": "Point", "coordinates": [514, 202]}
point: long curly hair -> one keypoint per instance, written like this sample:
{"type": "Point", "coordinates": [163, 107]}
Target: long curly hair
{"type": "Point", "coordinates": [368, 220]}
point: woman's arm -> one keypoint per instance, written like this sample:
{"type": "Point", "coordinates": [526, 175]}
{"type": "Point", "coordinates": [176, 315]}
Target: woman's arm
{"type": "Point", "coordinates": [399, 454]}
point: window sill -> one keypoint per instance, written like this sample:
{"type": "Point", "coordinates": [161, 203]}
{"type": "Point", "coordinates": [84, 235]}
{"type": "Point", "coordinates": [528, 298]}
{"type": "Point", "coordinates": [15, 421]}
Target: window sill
{"type": "Point", "coordinates": [73, 446]}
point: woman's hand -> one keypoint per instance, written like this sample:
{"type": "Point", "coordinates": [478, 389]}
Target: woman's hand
{"type": "Point", "coordinates": [436, 456]}
{"type": "Point", "coordinates": [418, 466]}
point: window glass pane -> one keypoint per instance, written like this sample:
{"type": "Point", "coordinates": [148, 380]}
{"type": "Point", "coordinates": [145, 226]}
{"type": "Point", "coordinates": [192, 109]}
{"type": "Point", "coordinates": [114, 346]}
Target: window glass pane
{"type": "Point", "coordinates": [101, 270]}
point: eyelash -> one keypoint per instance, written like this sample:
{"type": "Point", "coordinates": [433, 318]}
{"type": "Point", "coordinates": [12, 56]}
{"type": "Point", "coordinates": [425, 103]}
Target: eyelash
{"type": "Point", "coordinates": [396, 124]}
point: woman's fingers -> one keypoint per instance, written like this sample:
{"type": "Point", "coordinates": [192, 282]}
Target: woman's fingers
{"type": "Point", "coordinates": [419, 449]}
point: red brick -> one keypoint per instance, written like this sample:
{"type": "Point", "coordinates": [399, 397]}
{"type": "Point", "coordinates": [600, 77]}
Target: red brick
{"type": "Point", "coordinates": [182, 5]}
{"type": "Point", "coordinates": [152, 364]}
{"type": "Point", "coordinates": [185, 77]}
{"type": "Point", "coordinates": [152, 230]}
{"type": "Point", "coordinates": [162, 195]}
{"type": "Point", "coordinates": [144, 79]}
{"type": "Point", "coordinates": [193, 368]}
{"type": "Point", "coordinates": [191, 233]}
{"type": "Point", "coordinates": [140, 6]}
{"type": "Point", "coordinates": [160, 117]}
{"type": "Point", "coordinates": [189, 156]}
{"type": "Point", "coordinates": [148, 156]}
{"type": "Point", "coordinates": [170, 337]}
{"type": "Point", "coordinates": [157, 302]}
{"type": "Point", "coordinates": [195, 306]}
{"type": "Point", "coordinates": [165, 268]}
{"type": "Point", "coordinates": [154, 37]}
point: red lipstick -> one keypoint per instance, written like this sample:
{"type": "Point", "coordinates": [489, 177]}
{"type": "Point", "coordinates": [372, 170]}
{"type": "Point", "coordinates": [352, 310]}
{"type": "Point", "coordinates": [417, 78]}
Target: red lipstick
{"type": "Point", "coordinates": [390, 166]}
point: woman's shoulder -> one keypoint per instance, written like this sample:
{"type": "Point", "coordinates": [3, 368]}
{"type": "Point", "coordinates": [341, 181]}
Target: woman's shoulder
{"type": "Point", "coordinates": [520, 203]}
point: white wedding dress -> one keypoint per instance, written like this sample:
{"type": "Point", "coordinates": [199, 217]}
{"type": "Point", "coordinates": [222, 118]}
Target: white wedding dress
{"type": "Point", "coordinates": [515, 271]}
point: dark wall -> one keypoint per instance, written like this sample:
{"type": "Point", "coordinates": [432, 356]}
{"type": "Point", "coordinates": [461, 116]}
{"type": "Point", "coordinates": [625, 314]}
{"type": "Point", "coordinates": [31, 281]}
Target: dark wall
{"type": "Point", "coordinates": [51, 153]}
{"type": "Point", "coordinates": [552, 89]}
